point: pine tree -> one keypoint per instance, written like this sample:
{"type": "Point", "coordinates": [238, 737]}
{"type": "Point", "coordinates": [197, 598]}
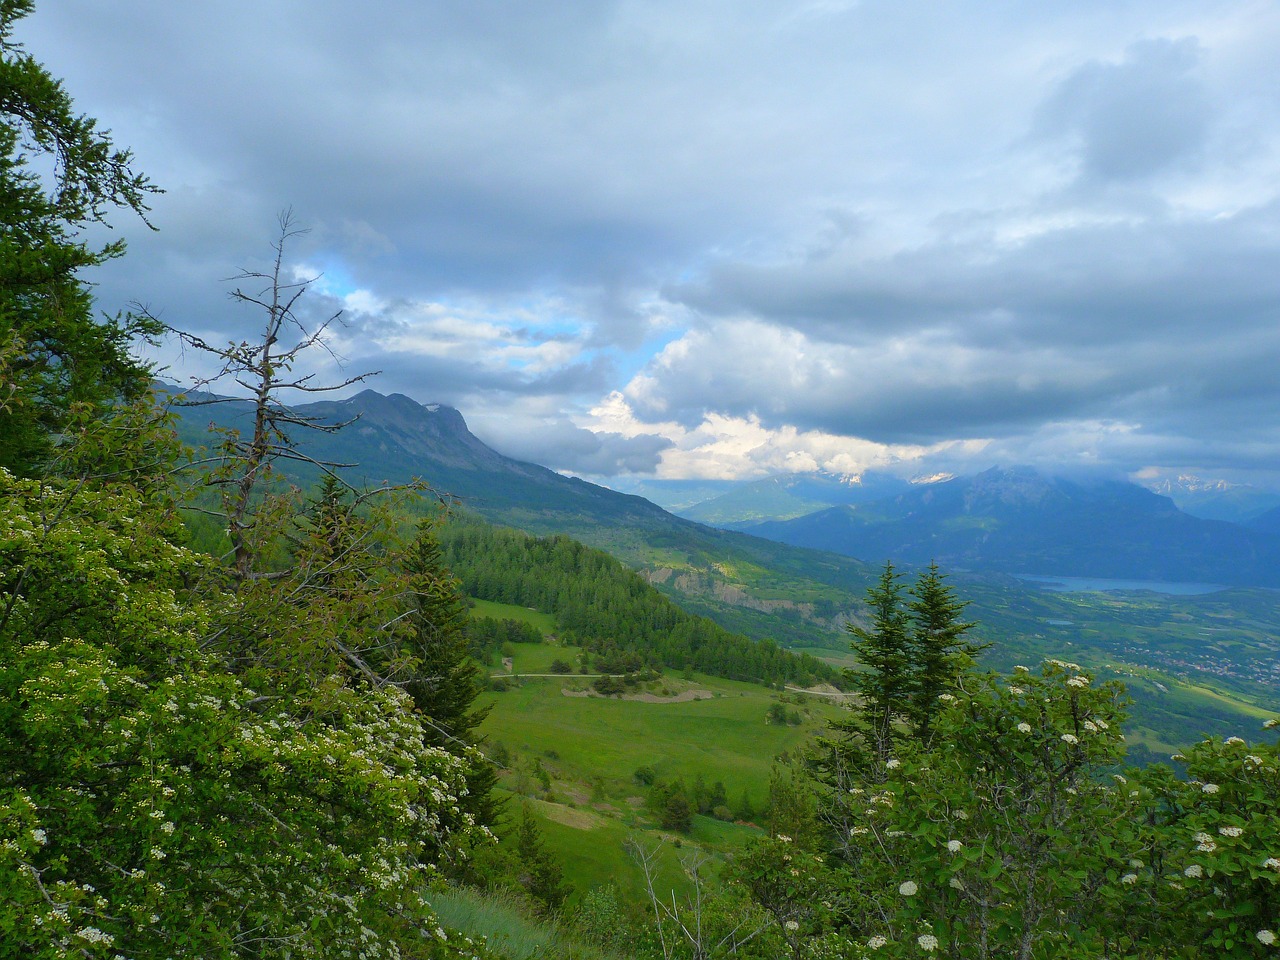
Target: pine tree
{"type": "Point", "coordinates": [940, 652]}
{"type": "Point", "coordinates": [540, 874]}
{"type": "Point", "coordinates": [448, 679]}
{"type": "Point", "coordinates": [886, 685]}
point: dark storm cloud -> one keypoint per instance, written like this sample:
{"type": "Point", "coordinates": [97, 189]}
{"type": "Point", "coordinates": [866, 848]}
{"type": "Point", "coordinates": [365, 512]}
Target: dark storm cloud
{"type": "Point", "coordinates": [1136, 117]}
{"type": "Point", "coordinates": [1053, 227]}
{"type": "Point", "coordinates": [1170, 320]}
{"type": "Point", "coordinates": [1079, 284]}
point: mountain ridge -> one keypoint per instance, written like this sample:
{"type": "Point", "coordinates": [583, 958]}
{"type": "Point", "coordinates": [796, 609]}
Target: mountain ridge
{"type": "Point", "coordinates": [1018, 520]}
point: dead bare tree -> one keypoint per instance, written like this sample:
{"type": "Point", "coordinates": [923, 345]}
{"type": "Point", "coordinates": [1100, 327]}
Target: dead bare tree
{"type": "Point", "coordinates": [315, 583]}
{"type": "Point", "coordinates": [265, 368]}
{"type": "Point", "coordinates": [685, 923]}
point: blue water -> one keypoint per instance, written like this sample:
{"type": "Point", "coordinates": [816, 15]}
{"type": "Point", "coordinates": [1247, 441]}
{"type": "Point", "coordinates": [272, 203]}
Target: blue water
{"type": "Point", "coordinates": [1098, 585]}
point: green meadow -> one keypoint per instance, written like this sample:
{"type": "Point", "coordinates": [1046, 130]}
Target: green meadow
{"type": "Point", "coordinates": [724, 736]}
{"type": "Point", "coordinates": [506, 611]}
{"type": "Point", "coordinates": [589, 749]}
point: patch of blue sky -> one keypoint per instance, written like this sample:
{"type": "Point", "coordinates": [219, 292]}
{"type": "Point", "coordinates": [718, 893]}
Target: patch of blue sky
{"type": "Point", "coordinates": [629, 363]}
{"type": "Point", "coordinates": [332, 279]}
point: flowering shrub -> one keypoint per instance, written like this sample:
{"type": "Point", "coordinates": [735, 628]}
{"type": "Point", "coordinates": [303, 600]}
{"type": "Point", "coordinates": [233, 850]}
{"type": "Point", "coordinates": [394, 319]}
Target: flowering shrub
{"type": "Point", "coordinates": [1216, 836]}
{"type": "Point", "coordinates": [151, 804]}
{"type": "Point", "coordinates": [972, 844]}
{"type": "Point", "coordinates": [794, 887]}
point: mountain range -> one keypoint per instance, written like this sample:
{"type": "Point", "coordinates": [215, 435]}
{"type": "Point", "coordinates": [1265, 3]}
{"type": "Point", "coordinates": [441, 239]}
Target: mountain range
{"type": "Point", "coordinates": [1019, 521]}
{"type": "Point", "coordinates": [751, 585]}
{"type": "Point", "coordinates": [1006, 520]}
{"type": "Point", "coordinates": [1217, 499]}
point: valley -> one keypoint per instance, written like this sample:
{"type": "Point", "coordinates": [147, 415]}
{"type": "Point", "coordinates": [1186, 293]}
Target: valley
{"type": "Point", "coordinates": [580, 760]}
{"type": "Point", "coordinates": [1195, 664]}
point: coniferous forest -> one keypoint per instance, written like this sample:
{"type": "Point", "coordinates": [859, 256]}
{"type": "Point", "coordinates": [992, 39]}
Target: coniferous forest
{"type": "Point", "coordinates": [239, 718]}
{"type": "Point", "coordinates": [608, 609]}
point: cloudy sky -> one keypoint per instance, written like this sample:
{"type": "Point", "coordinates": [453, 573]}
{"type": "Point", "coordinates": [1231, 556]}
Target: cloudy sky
{"type": "Point", "coordinates": [725, 238]}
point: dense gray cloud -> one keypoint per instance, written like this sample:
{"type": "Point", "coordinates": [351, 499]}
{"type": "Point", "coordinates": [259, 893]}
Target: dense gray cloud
{"type": "Point", "coordinates": [1134, 118]}
{"type": "Point", "coordinates": [583, 452]}
{"type": "Point", "coordinates": [1154, 321]}
{"type": "Point", "coordinates": [715, 238]}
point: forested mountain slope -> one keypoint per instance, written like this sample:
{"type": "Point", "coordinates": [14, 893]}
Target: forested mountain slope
{"type": "Point", "coordinates": [600, 604]}
{"type": "Point", "coordinates": [801, 598]}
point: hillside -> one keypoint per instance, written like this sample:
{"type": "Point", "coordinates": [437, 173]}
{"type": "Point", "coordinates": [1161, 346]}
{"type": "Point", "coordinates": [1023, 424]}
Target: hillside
{"type": "Point", "coordinates": [747, 584]}
{"type": "Point", "coordinates": [609, 610]}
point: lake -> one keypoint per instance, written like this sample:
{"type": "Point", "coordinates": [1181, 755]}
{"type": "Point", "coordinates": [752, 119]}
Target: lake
{"type": "Point", "coordinates": [1099, 585]}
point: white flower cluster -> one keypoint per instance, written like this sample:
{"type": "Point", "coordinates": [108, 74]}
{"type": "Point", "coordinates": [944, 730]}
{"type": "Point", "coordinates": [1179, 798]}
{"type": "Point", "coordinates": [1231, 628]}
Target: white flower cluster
{"type": "Point", "coordinates": [1209, 788]}
{"type": "Point", "coordinates": [94, 935]}
{"type": "Point", "coordinates": [1193, 871]}
{"type": "Point", "coordinates": [908, 888]}
{"type": "Point", "coordinates": [876, 942]}
{"type": "Point", "coordinates": [953, 846]}
{"type": "Point", "coordinates": [1070, 738]}
{"type": "Point", "coordinates": [1024, 727]}
{"type": "Point", "coordinates": [928, 942]}
{"type": "Point", "coordinates": [1231, 831]}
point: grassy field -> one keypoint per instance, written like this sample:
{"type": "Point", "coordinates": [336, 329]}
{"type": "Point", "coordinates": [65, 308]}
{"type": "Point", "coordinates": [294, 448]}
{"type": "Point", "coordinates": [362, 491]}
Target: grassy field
{"type": "Point", "coordinates": [724, 737]}
{"type": "Point", "coordinates": [591, 747]}
{"type": "Point", "coordinates": [506, 611]}
{"type": "Point", "coordinates": [588, 749]}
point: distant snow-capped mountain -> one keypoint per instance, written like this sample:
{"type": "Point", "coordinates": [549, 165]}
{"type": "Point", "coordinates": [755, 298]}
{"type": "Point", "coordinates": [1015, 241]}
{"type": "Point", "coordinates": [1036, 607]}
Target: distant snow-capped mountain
{"type": "Point", "coordinates": [1215, 499]}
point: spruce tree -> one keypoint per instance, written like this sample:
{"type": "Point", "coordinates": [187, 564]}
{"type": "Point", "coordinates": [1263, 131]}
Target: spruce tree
{"type": "Point", "coordinates": [940, 652]}
{"type": "Point", "coordinates": [448, 680]}
{"type": "Point", "coordinates": [887, 683]}
{"type": "Point", "coordinates": [540, 874]}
